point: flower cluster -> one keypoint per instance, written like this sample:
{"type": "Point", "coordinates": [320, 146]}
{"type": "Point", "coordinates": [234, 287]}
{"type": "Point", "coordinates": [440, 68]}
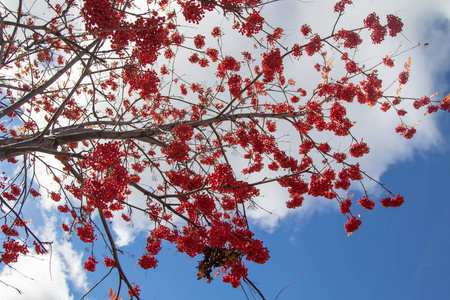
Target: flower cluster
{"type": "Point", "coordinates": [272, 63]}
{"type": "Point", "coordinates": [394, 24]}
{"type": "Point", "coordinates": [345, 206]}
{"type": "Point", "coordinates": [351, 39]}
{"type": "Point", "coordinates": [147, 262]}
{"type": "Point", "coordinates": [90, 264]}
{"type": "Point", "coordinates": [393, 202]}
{"type": "Point", "coordinates": [352, 224]}
{"type": "Point", "coordinates": [253, 25]}
{"type": "Point", "coordinates": [366, 203]}
{"type": "Point", "coordinates": [314, 46]}
{"type": "Point", "coordinates": [12, 249]}
{"type": "Point", "coordinates": [9, 231]}
{"type": "Point", "coordinates": [378, 31]}
{"type": "Point", "coordinates": [359, 149]}
{"type": "Point", "coordinates": [86, 233]}
{"type": "Point", "coordinates": [340, 6]}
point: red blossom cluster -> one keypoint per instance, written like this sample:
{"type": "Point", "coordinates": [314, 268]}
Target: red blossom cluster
{"type": "Point", "coordinates": [366, 203]}
{"type": "Point", "coordinates": [394, 24]}
{"type": "Point", "coordinates": [86, 233]}
{"type": "Point", "coordinates": [100, 17]}
{"type": "Point", "coordinates": [340, 6]}
{"type": "Point", "coordinates": [109, 262]}
{"type": "Point", "coordinates": [314, 46]}
{"type": "Point", "coordinates": [345, 206]}
{"type": "Point", "coordinates": [351, 39]}
{"type": "Point", "coordinates": [253, 25]}
{"type": "Point", "coordinates": [90, 264]}
{"type": "Point", "coordinates": [147, 262]}
{"type": "Point", "coordinates": [352, 224]}
{"type": "Point", "coordinates": [387, 61]}
{"type": "Point", "coordinates": [378, 31]}
{"type": "Point", "coordinates": [359, 149]}
{"type": "Point", "coordinates": [393, 202]}
{"type": "Point", "coordinates": [272, 63]}
{"type": "Point", "coordinates": [11, 251]}
{"type": "Point", "coordinates": [9, 231]}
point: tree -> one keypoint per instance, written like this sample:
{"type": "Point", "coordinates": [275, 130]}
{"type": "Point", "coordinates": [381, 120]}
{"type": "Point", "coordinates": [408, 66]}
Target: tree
{"type": "Point", "coordinates": [96, 85]}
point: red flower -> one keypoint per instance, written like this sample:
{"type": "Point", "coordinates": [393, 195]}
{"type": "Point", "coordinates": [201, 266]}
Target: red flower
{"type": "Point", "coordinates": [253, 25]}
{"type": "Point", "coordinates": [15, 190]}
{"type": "Point", "coordinates": [352, 224]}
{"type": "Point", "coordinates": [147, 262]}
{"type": "Point", "coordinates": [216, 32]}
{"type": "Point", "coordinates": [351, 39]}
{"type": "Point", "coordinates": [351, 67]}
{"type": "Point", "coordinates": [227, 64]}
{"type": "Point", "coordinates": [199, 41]}
{"type": "Point", "coordinates": [38, 248]}
{"type": "Point", "coordinates": [55, 196]}
{"type": "Point", "coordinates": [340, 6]}
{"type": "Point", "coordinates": [366, 203]}
{"type": "Point", "coordinates": [177, 151]}
{"type": "Point", "coordinates": [378, 32]}
{"type": "Point", "coordinates": [305, 29]}
{"type": "Point", "coordinates": [234, 85]}
{"type": "Point", "coordinates": [183, 132]}
{"type": "Point", "coordinates": [212, 53]}
{"type": "Point", "coordinates": [401, 112]}
{"type": "Point", "coordinates": [339, 157]}
{"type": "Point", "coordinates": [64, 208]}
{"type": "Point", "coordinates": [324, 147]}
{"type": "Point", "coordinates": [12, 248]}
{"type": "Point", "coordinates": [90, 264]}
{"type": "Point", "coordinates": [393, 202]}
{"type": "Point", "coordinates": [387, 61]}
{"type": "Point", "coordinates": [296, 201]}
{"type": "Point", "coordinates": [394, 24]}
{"type": "Point", "coordinates": [345, 206]}
{"type": "Point", "coordinates": [109, 262]}
{"type": "Point", "coordinates": [403, 77]}
{"type": "Point", "coordinates": [86, 233]}
{"type": "Point", "coordinates": [192, 12]}
{"type": "Point", "coordinates": [136, 289]}
{"type": "Point", "coordinates": [272, 63]}
{"type": "Point", "coordinates": [409, 133]}
{"type": "Point", "coordinates": [9, 231]}
{"type": "Point", "coordinates": [359, 149]}
{"type": "Point", "coordinates": [314, 45]}
{"type": "Point", "coordinates": [126, 218]}
{"type": "Point", "coordinates": [65, 227]}
{"type": "Point", "coordinates": [34, 193]}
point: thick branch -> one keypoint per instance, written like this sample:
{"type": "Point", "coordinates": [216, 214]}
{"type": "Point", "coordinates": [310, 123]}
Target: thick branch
{"type": "Point", "coordinates": [48, 144]}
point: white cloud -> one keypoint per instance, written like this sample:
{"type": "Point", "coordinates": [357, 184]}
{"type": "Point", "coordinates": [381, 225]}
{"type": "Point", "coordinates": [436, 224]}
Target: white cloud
{"type": "Point", "coordinates": [274, 207]}
{"type": "Point", "coordinates": [127, 231]}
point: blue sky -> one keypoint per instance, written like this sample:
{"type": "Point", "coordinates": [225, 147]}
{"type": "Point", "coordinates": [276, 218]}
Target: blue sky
{"type": "Point", "coordinates": [398, 253]}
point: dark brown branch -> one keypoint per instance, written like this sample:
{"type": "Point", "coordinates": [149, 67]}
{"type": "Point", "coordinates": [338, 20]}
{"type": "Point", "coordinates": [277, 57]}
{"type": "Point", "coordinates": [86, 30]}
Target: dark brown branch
{"type": "Point", "coordinates": [48, 144]}
{"type": "Point", "coordinates": [249, 282]}
{"type": "Point", "coordinates": [115, 256]}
